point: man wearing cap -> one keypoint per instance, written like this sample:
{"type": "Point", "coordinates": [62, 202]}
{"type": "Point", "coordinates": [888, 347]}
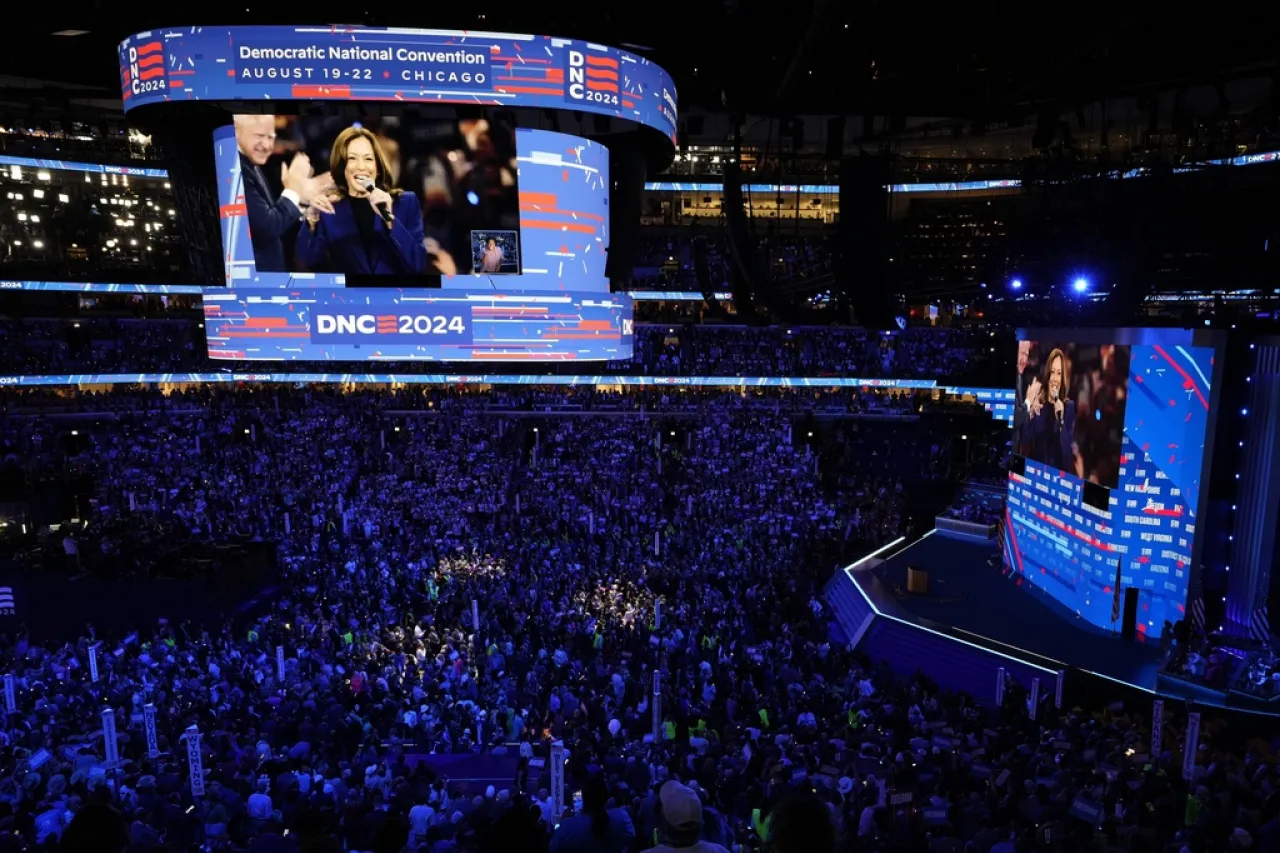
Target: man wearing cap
{"type": "Point", "coordinates": [680, 822]}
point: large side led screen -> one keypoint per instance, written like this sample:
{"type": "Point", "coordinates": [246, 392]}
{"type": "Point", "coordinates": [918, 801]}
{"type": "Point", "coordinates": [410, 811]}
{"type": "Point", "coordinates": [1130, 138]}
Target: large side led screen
{"type": "Point", "coordinates": [1134, 419]}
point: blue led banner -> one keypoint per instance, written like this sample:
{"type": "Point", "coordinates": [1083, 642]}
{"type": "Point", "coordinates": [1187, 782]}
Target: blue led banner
{"type": "Point", "coordinates": [676, 296]}
{"type": "Point", "coordinates": [832, 189]}
{"type": "Point", "coordinates": [354, 63]}
{"type": "Point", "coordinates": [101, 287]}
{"type": "Point", "coordinates": [70, 166]}
{"type": "Point", "coordinates": [357, 324]}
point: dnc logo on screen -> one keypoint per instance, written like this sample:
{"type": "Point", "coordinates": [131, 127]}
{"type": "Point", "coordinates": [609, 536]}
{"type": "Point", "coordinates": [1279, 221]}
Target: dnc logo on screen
{"type": "Point", "coordinates": [591, 77]}
{"type": "Point", "coordinates": [143, 71]}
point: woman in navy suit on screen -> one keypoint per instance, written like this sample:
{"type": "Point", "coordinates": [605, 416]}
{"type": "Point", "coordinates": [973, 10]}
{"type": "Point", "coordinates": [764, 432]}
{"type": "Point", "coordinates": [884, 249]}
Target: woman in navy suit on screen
{"type": "Point", "coordinates": [1053, 425]}
{"type": "Point", "coordinates": [366, 226]}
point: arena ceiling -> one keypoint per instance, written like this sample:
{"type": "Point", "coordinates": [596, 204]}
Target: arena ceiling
{"type": "Point", "coordinates": [980, 62]}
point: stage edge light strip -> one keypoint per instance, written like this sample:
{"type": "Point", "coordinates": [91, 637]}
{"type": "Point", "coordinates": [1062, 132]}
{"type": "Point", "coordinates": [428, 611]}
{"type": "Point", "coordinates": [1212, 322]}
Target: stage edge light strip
{"type": "Point", "coordinates": [849, 571]}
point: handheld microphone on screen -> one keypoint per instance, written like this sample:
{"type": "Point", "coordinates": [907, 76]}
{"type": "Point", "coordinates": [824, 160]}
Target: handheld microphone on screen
{"type": "Point", "coordinates": [1053, 396]}
{"type": "Point", "coordinates": [384, 209]}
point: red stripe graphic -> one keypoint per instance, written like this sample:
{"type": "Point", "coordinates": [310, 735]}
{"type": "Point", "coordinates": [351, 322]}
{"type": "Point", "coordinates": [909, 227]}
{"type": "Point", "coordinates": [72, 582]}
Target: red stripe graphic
{"type": "Point", "coordinates": [1187, 381]}
{"type": "Point", "coordinates": [602, 73]}
{"type": "Point", "coordinates": [149, 47]}
{"type": "Point", "coordinates": [602, 61]}
{"type": "Point", "coordinates": [148, 61]}
{"type": "Point", "coordinates": [531, 90]}
{"type": "Point", "coordinates": [309, 93]}
{"type": "Point", "coordinates": [1079, 534]}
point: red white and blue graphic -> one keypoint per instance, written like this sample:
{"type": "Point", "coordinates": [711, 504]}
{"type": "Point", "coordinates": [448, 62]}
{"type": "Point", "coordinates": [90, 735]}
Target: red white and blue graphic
{"type": "Point", "coordinates": [1055, 541]}
{"type": "Point", "coordinates": [385, 324]}
{"type": "Point", "coordinates": [353, 63]}
{"type": "Point", "coordinates": [142, 68]}
{"type": "Point", "coordinates": [564, 219]}
{"type": "Point", "coordinates": [72, 166]}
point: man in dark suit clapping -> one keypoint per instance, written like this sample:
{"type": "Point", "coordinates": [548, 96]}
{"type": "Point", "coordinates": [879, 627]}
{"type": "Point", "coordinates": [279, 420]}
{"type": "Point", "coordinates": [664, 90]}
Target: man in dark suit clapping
{"type": "Point", "coordinates": [1026, 399]}
{"type": "Point", "coordinates": [272, 219]}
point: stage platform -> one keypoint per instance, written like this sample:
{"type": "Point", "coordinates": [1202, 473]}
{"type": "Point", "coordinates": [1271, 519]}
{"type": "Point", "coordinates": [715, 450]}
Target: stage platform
{"type": "Point", "coordinates": [976, 620]}
{"type": "Point", "coordinates": [970, 597]}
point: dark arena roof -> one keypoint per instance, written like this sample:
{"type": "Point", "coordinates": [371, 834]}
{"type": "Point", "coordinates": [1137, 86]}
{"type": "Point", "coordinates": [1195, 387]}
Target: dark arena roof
{"type": "Point", "coordinates": [814, 56]}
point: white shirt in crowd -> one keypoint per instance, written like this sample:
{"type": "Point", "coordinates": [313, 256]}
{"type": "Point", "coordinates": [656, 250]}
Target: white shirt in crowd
{"type": "Point", "coordinates": [260, 807]}
{"type": "Point", "coordinates": [420, 819]}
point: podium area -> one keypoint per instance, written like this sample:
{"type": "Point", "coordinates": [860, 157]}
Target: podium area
{"type": "Point", "coordinates": [955, 585]}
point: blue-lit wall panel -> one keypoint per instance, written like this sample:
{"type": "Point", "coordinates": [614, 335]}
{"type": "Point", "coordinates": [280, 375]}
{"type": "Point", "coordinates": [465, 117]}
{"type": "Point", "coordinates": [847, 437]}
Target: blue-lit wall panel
{"type": "Point", "coordinates": [1258, 496]}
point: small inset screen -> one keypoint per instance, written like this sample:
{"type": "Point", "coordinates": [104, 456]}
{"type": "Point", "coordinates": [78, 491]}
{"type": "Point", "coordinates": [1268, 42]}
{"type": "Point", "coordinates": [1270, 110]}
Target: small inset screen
{"type": "Point", "coordinates": [495, 252]}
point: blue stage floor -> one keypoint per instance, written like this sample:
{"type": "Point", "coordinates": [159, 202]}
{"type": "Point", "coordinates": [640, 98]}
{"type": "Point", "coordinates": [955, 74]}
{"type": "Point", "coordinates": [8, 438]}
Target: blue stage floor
{"type": "Point", "coordinates": [971, 599]}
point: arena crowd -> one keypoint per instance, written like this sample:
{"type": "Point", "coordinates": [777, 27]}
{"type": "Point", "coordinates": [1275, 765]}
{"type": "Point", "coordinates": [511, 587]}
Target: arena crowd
{"type": "Point", "coordinates": [567, 516]}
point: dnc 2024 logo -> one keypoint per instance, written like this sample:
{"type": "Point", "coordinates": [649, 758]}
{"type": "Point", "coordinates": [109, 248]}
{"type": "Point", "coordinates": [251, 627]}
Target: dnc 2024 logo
{"type": "Point", "coordinates": [144, 70]}
{"type": "Point", "coordinates": [591, 77]}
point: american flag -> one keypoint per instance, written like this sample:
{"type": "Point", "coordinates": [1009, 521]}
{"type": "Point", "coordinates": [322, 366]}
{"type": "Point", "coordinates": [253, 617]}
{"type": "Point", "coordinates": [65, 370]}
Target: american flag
{"type": "Point", "coordinates": [1115, 596]}
{"type": "Point", "coordinates": [1260, 625]}
{"type": "Point", "coordinates": [1197, 614]}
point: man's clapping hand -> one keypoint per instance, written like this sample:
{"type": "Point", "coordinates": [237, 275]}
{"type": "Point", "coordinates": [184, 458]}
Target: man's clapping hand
{"type": "Point", "coordinates": [318, 188]}
{"type": "Point", "coordinates": [1033, 398]}
{"type": "Point", "coordinates": [296, 175]}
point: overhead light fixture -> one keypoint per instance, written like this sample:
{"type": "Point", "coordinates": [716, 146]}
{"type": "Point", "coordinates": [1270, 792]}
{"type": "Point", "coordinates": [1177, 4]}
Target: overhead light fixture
{"type": "Point", "coordinates": [70, 33]}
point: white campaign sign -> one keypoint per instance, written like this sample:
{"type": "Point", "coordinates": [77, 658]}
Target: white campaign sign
{"type": "Point", "coordinates": [149, 723]}
{"type": "Point", "coordinates": [1190, 747]}
{"type": "Point", "coordinates": [557, 779]}
{"type": "Point", "coordinates": [110, 746]}
{"type": "Point", "coordinates": [1157, 730]}
{"type": "Point", "coordinates": [195, 762]}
